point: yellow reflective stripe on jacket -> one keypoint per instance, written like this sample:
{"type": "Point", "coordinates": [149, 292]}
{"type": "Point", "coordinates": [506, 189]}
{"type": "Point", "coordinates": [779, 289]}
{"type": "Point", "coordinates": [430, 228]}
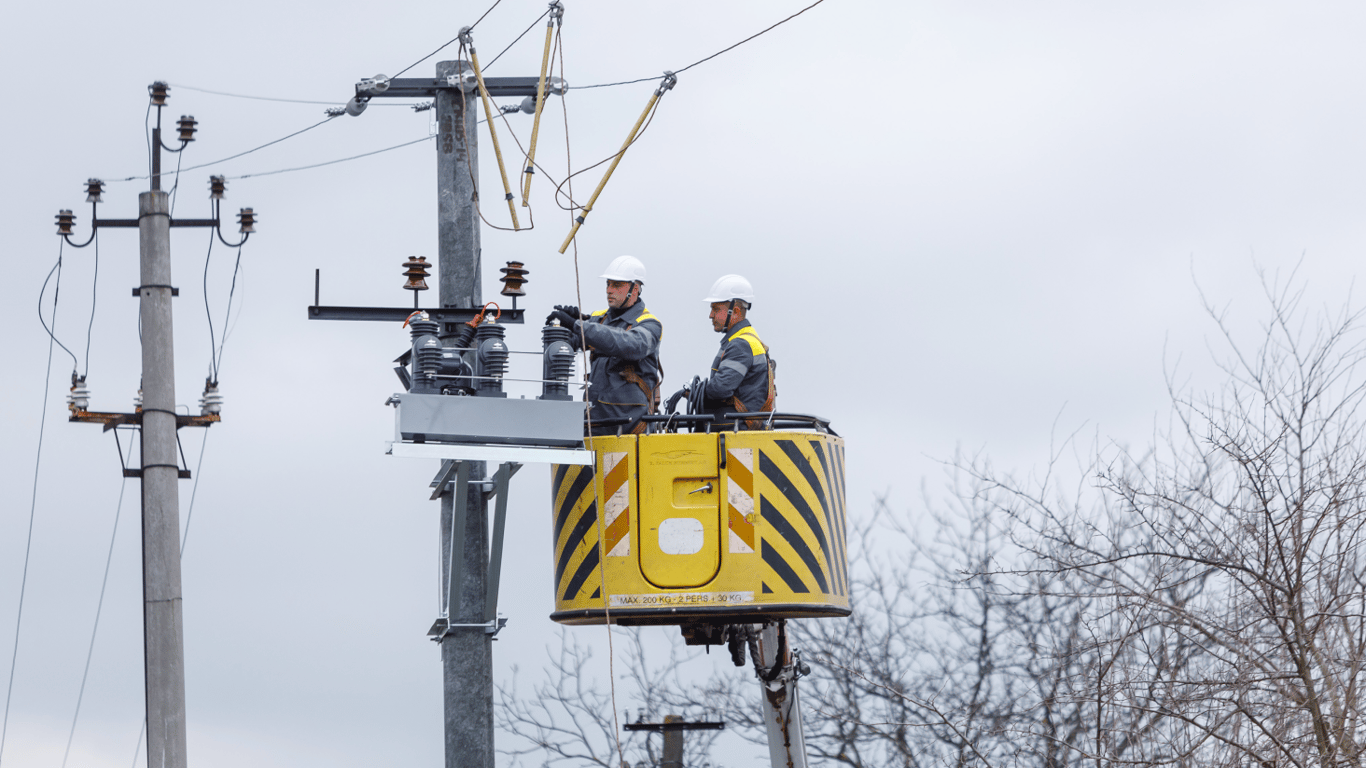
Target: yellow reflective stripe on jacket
{"type": "Point", "coordinates": [756, 347]}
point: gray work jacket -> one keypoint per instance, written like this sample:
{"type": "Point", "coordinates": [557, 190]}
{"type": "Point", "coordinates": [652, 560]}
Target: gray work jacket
{"type": "Point", "coordinates": [739, 372]}
{"type": "Point", "coordinates": [623, 346]}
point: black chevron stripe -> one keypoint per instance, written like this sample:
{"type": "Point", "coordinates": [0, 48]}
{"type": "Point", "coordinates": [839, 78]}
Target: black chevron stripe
{"type": "Point", "coordinates": [581, 575]}
{"type": "Point", "coordinates": [784, 528]}
{"type": "Point", "coordinates": [794, 497]}
{"type": "Point", "coordinates": [837, 526]}
{"type": "Point", "coordinates": [581, 481]}
{"type": "Point", "coordinates": [560, 470]}
{"type": "Point", "coordinates": [581, 529]}
{"type": "Point", "coordinates": [780, 567]}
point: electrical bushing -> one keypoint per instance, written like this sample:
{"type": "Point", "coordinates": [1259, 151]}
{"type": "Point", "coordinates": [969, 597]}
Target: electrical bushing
{"type": "Point", "coordinates": [427, 351]}
{"type": "Point", "coordinates": [491, 359]}
{"type": "Point", "coordinates": [557, 362]}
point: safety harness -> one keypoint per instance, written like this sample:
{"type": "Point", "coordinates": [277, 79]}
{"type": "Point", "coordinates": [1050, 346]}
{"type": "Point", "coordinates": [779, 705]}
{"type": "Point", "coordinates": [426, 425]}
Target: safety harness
{"type": "Point", "coordinates": [771, 398]}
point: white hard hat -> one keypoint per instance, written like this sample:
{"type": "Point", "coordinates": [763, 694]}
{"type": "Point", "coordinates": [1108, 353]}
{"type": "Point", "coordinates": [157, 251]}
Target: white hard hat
{"type": "Point", "coordinates": [729, 287]}
{"type": "Point", "coordinates": [625, 268]}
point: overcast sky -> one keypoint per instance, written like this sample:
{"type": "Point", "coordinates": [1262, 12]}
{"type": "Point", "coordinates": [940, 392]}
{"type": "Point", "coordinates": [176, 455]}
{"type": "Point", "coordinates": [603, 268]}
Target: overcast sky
{"type": "Point", "coordinates": [969, 224]}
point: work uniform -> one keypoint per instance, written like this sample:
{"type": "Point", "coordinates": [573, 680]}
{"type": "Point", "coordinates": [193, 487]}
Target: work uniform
{"type": "Point", "coordinates": [624, 370]}
{"type": "Point", "coordinates": [740, 379]}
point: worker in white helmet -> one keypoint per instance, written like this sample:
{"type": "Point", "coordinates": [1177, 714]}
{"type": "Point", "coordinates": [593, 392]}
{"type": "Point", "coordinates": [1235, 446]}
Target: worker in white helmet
{"type": "Point", "coordinates": [625, 373]}
{"type": "Point", "coordinates": [742, 375]}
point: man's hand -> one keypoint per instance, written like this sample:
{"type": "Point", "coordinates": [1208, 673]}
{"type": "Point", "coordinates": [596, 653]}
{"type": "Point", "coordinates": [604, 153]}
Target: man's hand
{"type": "Point", "coordinates": [572, 311]}
{"type": "Point", "coordinates": [566, 319]}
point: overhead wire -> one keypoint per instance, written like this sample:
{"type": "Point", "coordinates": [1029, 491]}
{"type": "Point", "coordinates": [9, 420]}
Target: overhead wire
{"type": "Point", "coordinates": [57, 269]}
{"type": "Point", "coordinates": [213, 345]}
{"type": "Point", "coordinates": [227, 312]}
{"type": "Point", "coordinates": [94, 295]}
{"type": "Point", "coordinates": [333, 103]}
{"type": "Point", "coordinates": [447, 44]}
{"type": "Point", "coordinates": [705, 59]}
{"type": "Point", "coordinates": [90, 652]}
{"type": "Point", "coordinates": [328, 119]}
{"type": "Point", "coordinates": [33, 503]}
{"type": "Point", "coordinates": [331, 162]}
{"type": "Point", "coordinates": [516, 40]}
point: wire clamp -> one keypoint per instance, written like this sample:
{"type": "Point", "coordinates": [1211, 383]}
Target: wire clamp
{"type": "Point", "coordinates": [668, 83]}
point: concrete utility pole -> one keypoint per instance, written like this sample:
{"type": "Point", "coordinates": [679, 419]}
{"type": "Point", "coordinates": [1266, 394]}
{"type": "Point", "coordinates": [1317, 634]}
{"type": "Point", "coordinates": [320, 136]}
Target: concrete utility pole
{"type": "Point", "coordinates": [163, 635]}
{"type": "Point", "coordinates": [466, 651]}
{"type": "Point", "coordinates": [162, 620]}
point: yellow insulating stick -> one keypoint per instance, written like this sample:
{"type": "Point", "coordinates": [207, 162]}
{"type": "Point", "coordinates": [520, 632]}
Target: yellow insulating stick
{"type": "Point", "coordinates": [536, 121]}
{"type": "Point", "coordinates": [578, 221]}
{"type": "Point", "coordinates": [498, 153]}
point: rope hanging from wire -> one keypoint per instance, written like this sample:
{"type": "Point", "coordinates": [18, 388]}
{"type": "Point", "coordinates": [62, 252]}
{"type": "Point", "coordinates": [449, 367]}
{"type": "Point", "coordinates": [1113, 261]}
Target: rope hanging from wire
{"type": "Point", "coordinates": [588, 417]}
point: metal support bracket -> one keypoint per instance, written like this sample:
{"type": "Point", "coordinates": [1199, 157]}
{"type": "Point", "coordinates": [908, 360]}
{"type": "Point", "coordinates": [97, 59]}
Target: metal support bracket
{"type": "Point", "coordinates": [454, 478]}
{"type": "Point", "coordinates": [440, 628]}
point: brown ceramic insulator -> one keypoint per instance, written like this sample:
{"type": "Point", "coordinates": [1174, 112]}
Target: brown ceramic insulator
{"type": "Point", "coordinates": [514, 277]}
{"type": "Point", "coordinates": [415, 268]}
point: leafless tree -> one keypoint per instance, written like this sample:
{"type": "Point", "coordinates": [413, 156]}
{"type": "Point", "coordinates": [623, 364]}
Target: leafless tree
{"type": "Point", "coordinates": [569, 720]}
{"type": "Point", "coordinates": [1200, 603]}
{"type": "Point", "coordinates": [1225, 570]}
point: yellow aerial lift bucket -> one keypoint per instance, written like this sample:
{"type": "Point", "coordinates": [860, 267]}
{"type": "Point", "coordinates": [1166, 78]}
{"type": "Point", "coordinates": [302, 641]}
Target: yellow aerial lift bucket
{"type": "Point", "coordinates": [702, 527]}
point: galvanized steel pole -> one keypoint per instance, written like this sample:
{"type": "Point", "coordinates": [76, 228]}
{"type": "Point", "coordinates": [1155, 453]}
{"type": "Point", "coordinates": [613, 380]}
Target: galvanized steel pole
{"type": "Point", "coordinates": [162, 621]}
{"type": "Point", "coordinates": [466, 652]}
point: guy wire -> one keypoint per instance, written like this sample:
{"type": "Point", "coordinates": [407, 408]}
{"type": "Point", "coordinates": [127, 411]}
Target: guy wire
{"type": "Point", "coordinates": [99, 606]}
{"type": "Point", "coordinates": [33, 504]}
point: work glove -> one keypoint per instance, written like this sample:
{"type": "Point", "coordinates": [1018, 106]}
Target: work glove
{"type": "Point", "coordinates": [572, 310]}
{"type": "Point", "coordinates": [672, 403]}
{"type": "Point", "coordinates": [566, 319]}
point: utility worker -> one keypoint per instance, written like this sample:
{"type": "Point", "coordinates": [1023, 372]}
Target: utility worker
{"type": "Point", "coordinates": [742, 375]}
{"type": "Point", "coordinates": [623, 340]}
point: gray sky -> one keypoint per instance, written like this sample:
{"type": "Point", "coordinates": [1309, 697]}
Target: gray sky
{"type": "Point", "coordinates": [969, 224]}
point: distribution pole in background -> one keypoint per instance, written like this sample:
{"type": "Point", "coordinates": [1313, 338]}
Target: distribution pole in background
{"type": "Point", "coordinates": [466, 651]}
{"type": "Point", "coordinates": [162, 618]}
{"type": "Point", "coordinates": [157, 420]}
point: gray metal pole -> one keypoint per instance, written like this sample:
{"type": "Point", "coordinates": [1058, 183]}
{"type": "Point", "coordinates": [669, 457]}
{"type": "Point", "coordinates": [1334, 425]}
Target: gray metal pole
{"type": "Point", "coordinates": [466, 653]}
{"type": "Point", "coordinates": [162, 626]}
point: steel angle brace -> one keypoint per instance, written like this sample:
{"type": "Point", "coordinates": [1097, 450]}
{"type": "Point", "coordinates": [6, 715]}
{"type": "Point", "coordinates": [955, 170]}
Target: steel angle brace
{"type": "Point", "coordinates": [456, 475]}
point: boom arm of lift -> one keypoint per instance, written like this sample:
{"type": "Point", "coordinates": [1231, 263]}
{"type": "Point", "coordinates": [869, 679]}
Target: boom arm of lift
{"type": "Point", "coordinates": [778, 669]}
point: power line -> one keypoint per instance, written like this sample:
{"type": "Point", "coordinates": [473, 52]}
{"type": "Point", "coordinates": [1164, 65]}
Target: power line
{"type": "Point", "coordinates": [33, 505]}
{"type": "Point", "coordinates": [255, 98]}
{"type": "Point", "coordinates": [98, 608]}
{"type": "Point", "coordinates": [514, 42]}
{"type": "Point", "coordinates": [332, 162]}
{"type": "Point", "coordinates": [447, 44]}
{"type": "Point", "coordinates": [57, 269]}
{"type": "Point", "coordinates": [708, 58]}
{"type": "Point", "coordinates": [328, 119]}
{"type": "Point", "coordinates": [333, 103]}
{"type": "Point", "coordinates": [94, 294]}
